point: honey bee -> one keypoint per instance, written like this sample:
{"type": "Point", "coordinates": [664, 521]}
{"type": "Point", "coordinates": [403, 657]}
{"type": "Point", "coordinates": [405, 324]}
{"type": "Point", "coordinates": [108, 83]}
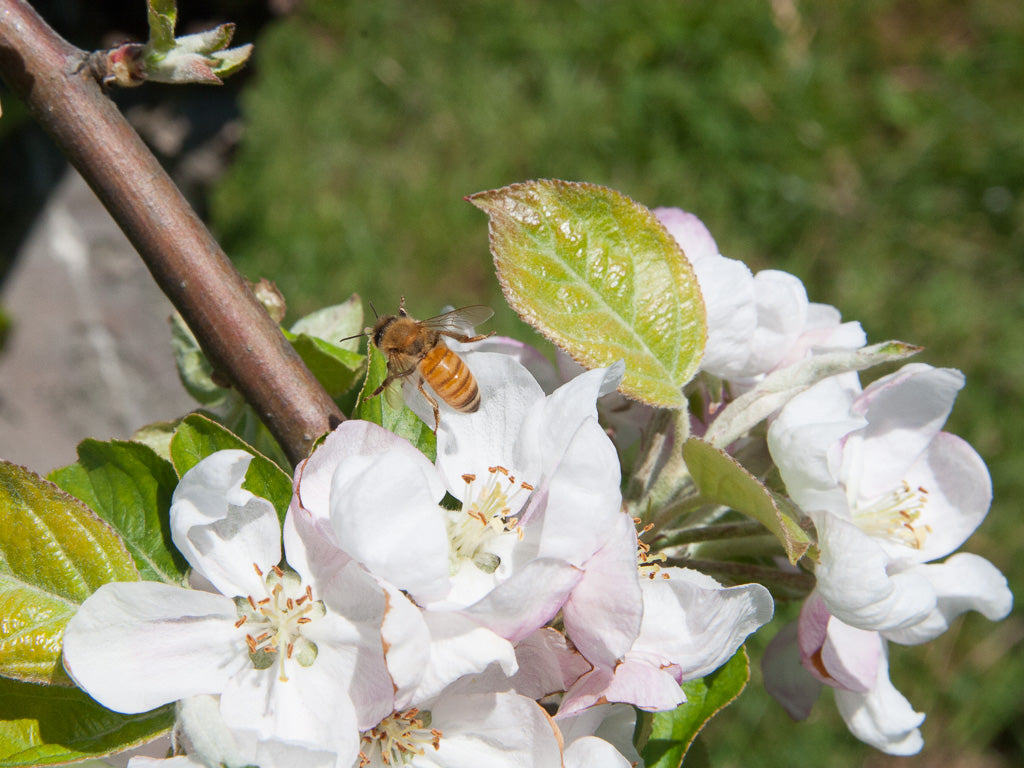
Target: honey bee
{"type": "Point", "coordinates": [417, 347]}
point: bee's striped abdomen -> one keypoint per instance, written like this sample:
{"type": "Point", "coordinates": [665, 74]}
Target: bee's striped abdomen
{"type": "Point", "coordinates": [450, 378]}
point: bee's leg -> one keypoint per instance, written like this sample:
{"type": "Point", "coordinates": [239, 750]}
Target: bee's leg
{"type": "Point", "coordinates": [388, 379]}
{"type": "Point", "coordinates": [461, 337]}
{"type": "Point", "coordinates": [401, 307]}
{"type": "Point", "coordinates": [433, 404]}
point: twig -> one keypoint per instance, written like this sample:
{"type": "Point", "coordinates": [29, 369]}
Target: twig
{"type": "Point", "coordinates": [235, 331]}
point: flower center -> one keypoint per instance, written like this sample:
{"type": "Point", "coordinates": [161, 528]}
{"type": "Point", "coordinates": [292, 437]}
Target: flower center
{"type": "Point", "coordinates": [648, 563]}
{"type": "Point", "coordinates": [484, 516]}
{"type": "Point", "coordinates": [398, 738]}
{"type": "Point", "coordinates": [274, 623]}
{"type": "Point", "coordinates": [894, 516]}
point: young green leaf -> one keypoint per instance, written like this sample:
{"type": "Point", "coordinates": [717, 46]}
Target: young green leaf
{"type": "Point", "coordinates": [336, 368]}
{"type": "Point", "coordinates": [389, 410]}
{"type": "Point", "coordinates": [335, 323]}
{"type": "Point", "coordinates": [130, 487]}
{"type": "Point", "coordinates": [673, 732]}
{"type": "Point", "coordinates": [599, 276]}
{"type": "Point", "coordinates": [54, 553]}
{"type": "Point", "coordinates": [197, 437]}
{"type": "Point", "coordinates": [194, 369]}
{"type": "Point", "coordinates": [53, 725]}
{"type": "Point", "coordinates": [722, 479]}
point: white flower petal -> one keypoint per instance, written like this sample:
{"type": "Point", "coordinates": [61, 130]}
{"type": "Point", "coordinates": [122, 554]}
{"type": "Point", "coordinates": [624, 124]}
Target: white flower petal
{"type": "Point", "coordinates": [497, 730]}
{"type": "Point", "coordinates": [781, 316]}
{"type": "Point", "coordinates": [221, 529]}
{"type": "Point", "coordinates": [965, 582]}
{"type": "Point", "coordinates": [385, 514]}
{"type": "Point", "coordinates": [592, 752]}
{"type": "Point", "coordinates": [134, 646]}
{"type": "Point", "coordinates": [905, 410]}
{"type": "Point", "coordinates": [854, 582]}
{"type": "Point", "coordinates": [882, 717]}
{"type": "Point", "coordinates": [959, 493]}
{"type": "Point", "coordinates": [694, 622]}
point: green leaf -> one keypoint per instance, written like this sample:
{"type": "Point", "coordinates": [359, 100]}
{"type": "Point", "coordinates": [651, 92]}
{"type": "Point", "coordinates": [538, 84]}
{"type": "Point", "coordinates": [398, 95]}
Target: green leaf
{"type": "Point", "coordinates": [54, 553]}
{"type": "Point", "coordinates": [599, 276]}
{"type": "Point", "coordinates": [722, 479]}
{"type": "Point", "coordinates": [129, 486]}
{"type": "Point", "coordinates": [673, 732]}
{"type": "Point", "coordinates": [162, 18]}
{"type": "Point", "coordinates": [779, 387]}
{"type": "Point", "coordinates": [335, 323]}
{"type": "Point", "coordinates": [52, 725]}
{"type": "Point", "coordinates": [194, 369]}
{"type": "Point", "coordinates": [389, 410]}
{"type": "Point", "coordinates": [197, 437]}
{"type": "Point", "coordinates": [336, 368]}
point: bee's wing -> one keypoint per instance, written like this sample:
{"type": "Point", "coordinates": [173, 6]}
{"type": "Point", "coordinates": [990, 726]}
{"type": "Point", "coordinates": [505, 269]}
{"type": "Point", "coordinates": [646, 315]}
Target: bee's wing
{"type": "Point", "coordinates": [459, 320]}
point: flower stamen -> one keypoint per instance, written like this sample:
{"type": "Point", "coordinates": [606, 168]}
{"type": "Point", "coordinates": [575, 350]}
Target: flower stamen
{"type": "Point", "coordinates": [894, 516]}
{"type": "Point", "coordinates": [399, 738]}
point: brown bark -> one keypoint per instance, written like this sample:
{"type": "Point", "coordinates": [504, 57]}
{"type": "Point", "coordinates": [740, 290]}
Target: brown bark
{"type": "Point", "coordinates": [233, 328]}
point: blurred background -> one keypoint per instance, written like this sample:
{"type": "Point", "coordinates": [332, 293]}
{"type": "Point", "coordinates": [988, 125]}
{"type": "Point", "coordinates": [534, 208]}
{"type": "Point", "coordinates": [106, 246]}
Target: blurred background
{"type": "Point", "coordinates": [875, 149]}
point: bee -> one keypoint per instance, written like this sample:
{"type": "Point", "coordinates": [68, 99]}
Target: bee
{"type": "Point", "coordinates": [417, 348]}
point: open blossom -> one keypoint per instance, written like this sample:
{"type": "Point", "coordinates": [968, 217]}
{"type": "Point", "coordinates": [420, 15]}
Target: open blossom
{"type": "Point", "coordinates": [536, 477]}
{"type": "Point", "coordinates": [295, 657]}
{"type": "Point", "coordinates": [888, 492]}
{"type": "Point", "coordinates": [756, 323]}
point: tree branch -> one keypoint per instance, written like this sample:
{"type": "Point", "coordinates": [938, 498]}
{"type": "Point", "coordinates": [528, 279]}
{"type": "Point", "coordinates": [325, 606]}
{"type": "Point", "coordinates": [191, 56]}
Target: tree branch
{"type": "Point", "coordinates": [234, 329]}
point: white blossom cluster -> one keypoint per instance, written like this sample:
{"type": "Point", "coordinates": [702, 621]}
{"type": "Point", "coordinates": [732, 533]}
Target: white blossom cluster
{"type": "Point", "coordinates": [888, 491]}
{"type": "Point", "coordinates": [496, 607]}
{"type": "Point", "coordinates": [404, 631]}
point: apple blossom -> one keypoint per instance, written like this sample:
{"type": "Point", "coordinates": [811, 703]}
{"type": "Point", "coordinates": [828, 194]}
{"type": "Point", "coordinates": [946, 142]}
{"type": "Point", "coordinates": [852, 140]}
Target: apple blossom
{"type": "Point", "coordinates": [296, 658]}
{"type": "Point", "coordinates": [888, 491]}
{"type": "Point", "coordinates": [756, 323]}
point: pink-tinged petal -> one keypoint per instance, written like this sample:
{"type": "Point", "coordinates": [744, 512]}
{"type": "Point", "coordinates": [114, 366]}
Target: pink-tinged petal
{"type": "Point", "coordinates": [965, 582]}
{"type": "Point", "coordinates": [785, 678]}
{"type": "Point", "coordinates": [645, 687]}
{"type": "Point", "coordinates": [310, 546]}
{"type": "Point", "coordinates": [528, 599]}
{"type": "Point", "coordinates": [693, 622]}
{"type": "Point", "coordinates": [689, 231]}
{"type": "Point", "coordinates": [959, 493]}
{"type": "Point", "coordinates": [882, 717]}
{"type": "Point", "coordinates": [603, 613]}
{"type": "Point", "coordinates": [851, 656]}
{"type": "Point", "coordinates": [221, 529]}
{"type": "Point", "coordinates": [854, 582]}
{"type": "Point", "coordinates": [385, 515]}
{"type": "Point", "coordinates": [469, 443]}
{"type": "Point", "coordinates": [531, 358]}
{"type": "Point", "coordinates": [835, 653]}
{"type": "Point", "coordinates": [905, 410]}
{"type": "Point", "coordinates": [458, 646]}
{"type": "Point", "coordinates": [496, 730]}
{"type": "Point", "coordinates": [592, 752]}
{"type": "Point", "coordinates": [547, 664]}
{"type": "Point", "coordinates": [134, 646]}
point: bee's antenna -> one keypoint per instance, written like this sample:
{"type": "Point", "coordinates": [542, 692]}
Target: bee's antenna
{"type": "Point", "coordinates": [374, 310]}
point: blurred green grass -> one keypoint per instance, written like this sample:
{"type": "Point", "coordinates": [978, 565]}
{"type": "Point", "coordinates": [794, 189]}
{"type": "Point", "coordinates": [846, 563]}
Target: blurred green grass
{"type": "Point", "coordinates": [872, 148]}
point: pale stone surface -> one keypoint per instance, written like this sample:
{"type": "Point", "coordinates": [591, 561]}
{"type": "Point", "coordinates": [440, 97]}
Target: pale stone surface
{"type": "Point", "coordinates": [89, 354]}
